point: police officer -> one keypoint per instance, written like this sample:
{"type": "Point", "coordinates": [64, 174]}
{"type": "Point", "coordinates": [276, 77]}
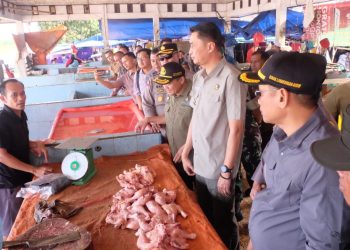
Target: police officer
{"type": "Point", "coordinates": [169, 53]}
{"type": "Point", "coordinates": [154, 96]}
{"type": "Point", "coordinates": [178, 113]}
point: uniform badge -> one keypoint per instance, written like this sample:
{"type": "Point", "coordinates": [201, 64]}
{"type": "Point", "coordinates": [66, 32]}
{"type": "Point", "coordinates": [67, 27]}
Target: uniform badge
{"type": "Point", "coordinates": [160, 98]}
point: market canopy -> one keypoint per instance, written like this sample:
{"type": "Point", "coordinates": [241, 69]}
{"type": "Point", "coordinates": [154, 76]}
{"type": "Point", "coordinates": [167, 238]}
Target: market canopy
{"type": "Point", "coordinates": [142, 29]}
{"type": "Point", "coordinates": [180, 27]}
{"type": "Point", "coordinates": [265, 23]}
{"type": "Point", "coordinates": [130, 29]}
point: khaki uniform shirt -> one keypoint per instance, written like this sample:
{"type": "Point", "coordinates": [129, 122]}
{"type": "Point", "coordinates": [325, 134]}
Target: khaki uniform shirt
{"type": "Point", "coordinates": [127, 81]}
{"type": "Point", "coordinates": [218, 98]}
{"type": "Point", "coordinates": [178, 114]}
{"type": "Point", "coordinates": [153, 99]}
{"type": "Point", "coordinates": [338, 99]}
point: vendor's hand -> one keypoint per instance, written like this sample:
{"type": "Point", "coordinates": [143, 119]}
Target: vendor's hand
{"type": "Point", "coordinates": [224, 185]}
{"type": "Point", "coordinates": [39, 149]}
{"type": "Point", "coordinates": [141, 125]}
{"type": "Point", "coordinates": [187, 165]}
{"type": "Point", "coordinates": [256, 188]}
{"type": "Point", "coordinates": [177, 157]}
{"type": "Point", "coordinates": [41, 171]}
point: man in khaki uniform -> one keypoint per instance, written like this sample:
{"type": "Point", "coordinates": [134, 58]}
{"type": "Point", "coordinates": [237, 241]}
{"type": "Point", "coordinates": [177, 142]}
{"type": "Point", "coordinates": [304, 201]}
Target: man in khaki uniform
{"type": "Point", "coordinates": [154, 96]}
{"type": "Point", "coordinates": [216, 130]}
{"type": "Point", "coordinates": [178, 113]}
{"type": "Point", "coordinates": [337, 100]}
{"type": "Point", "coordinates": [125, 81]}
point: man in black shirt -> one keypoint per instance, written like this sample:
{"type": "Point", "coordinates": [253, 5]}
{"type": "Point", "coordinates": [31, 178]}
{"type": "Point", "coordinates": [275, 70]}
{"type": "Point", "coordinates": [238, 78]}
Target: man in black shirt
{"type": "Point", "coordinates": [15, 147]}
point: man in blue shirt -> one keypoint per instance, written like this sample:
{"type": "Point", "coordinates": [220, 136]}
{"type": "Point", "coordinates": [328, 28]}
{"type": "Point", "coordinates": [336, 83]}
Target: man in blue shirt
{"type": "Point", "coordinates": [296, 202]}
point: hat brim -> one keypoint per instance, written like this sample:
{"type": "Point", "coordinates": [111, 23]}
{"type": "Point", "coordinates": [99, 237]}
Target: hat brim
{"type": "Point", "coordinates": [161, 80]}
{"type": "Point", "coordinates": [250, 78]}
{"type": "Point", "coordinates": [166, 52]}
{"type": "Point", "coordinates": [332, 153]}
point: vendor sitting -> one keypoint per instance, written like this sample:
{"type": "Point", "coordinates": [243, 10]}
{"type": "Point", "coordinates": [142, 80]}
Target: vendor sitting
{"type": "Point", "coordinates": [15, 147]}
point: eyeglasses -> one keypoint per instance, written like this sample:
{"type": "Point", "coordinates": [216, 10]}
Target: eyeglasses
{"type": "Point", "coordinates": [167, 57]}
{"type": "Point", "coordinates": [258, 93]}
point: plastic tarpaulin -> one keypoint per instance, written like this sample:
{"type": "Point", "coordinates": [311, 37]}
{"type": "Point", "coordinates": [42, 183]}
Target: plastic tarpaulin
{"type": "Point", "coordinates": [265, 23]}
{"type": "Point", "coordinates": [127, 29]}
{"type": "Point", "coordinates": [180, 27]}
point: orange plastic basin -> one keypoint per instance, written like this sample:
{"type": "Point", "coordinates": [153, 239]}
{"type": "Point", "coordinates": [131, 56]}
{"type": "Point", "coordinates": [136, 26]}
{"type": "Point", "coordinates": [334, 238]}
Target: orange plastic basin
{"type": "Point", "coordinates": [114, 118]}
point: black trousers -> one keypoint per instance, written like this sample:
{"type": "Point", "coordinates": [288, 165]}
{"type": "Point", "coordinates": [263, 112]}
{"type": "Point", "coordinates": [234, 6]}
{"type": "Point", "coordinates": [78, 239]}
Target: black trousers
{"type": "Point", "coordinates": [189, 180]}
{"type": "Point", "coordinates": [220, 211]}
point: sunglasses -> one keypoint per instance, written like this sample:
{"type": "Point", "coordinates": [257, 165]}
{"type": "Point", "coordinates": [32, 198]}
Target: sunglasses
{"type": "Point", "coordinates": [166, 57]}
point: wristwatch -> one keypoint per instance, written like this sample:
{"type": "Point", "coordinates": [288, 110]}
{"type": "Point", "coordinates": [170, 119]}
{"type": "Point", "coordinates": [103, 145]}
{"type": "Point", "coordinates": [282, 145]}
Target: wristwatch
{"type": "Point", "coordinates": [225, 169]}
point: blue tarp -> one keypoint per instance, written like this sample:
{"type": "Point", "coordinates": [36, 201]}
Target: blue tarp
{"type": "Point", "coordinates": [265, 23]}
{"type": "Point", "coordinates": [177, 28]}
{"type": "Point", "coordinates": [129, 29]}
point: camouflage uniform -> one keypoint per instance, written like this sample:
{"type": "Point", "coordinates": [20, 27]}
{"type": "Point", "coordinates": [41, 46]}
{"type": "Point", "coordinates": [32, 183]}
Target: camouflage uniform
{"type": "Point", "coordinates": [251, 151]}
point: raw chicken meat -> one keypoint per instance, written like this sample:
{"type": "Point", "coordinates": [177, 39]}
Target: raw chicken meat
{"type": "Point", "coordinates": [136, 178]}
{"type": "Point", "coordinates": [173, 209]}
{"type": "Point", "coordinates": [151, 213]}
{"type": "Point", "coordinates": [164, 197]}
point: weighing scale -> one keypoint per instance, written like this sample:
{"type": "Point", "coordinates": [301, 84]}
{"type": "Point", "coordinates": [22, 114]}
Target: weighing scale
{"type": "Point", "coordinates": [78, 165]}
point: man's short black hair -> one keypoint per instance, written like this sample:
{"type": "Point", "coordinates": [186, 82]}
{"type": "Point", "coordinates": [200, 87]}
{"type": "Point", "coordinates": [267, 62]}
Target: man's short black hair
{"type": "Point", "coordinates": [124, 46]}
{"type": "Point", "coordinates": [118, 52]}
{"type": "Point", "coordinates": [148, 51]}
{"type": "Point", "coordinates": [108, 52]}
{"type": "Point", "coordinates": [165, 40]}
{"type": "Point", "coordinates": [155, 51]}
{"type": "Point", "coordinates": [130, 54]}
{"type": "Point", "coordinates": [264, 55]}
{"type": "Point", "coordinates": [4, 83]}
{"type": "Point", "coordinates": [210, 31]}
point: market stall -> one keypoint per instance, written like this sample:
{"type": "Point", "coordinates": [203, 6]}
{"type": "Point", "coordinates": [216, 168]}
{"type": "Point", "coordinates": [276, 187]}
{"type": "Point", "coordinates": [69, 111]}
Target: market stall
{"type": "Point", "coordinates": [96, 198]}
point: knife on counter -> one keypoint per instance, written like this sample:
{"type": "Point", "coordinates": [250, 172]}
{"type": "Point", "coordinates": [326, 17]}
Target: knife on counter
{"type": "Point", "coordinates": [43, 242]}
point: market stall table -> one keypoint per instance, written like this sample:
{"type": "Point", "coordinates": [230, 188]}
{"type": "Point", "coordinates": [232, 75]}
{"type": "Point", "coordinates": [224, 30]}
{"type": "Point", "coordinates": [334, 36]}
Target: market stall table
{"type": "Point", "coordinates": [96, 199]}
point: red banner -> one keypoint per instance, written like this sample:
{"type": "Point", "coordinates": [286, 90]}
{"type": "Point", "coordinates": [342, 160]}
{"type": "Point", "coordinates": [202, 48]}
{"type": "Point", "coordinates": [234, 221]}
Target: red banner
{"type": "Point", "coordinates": [328, 17]}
